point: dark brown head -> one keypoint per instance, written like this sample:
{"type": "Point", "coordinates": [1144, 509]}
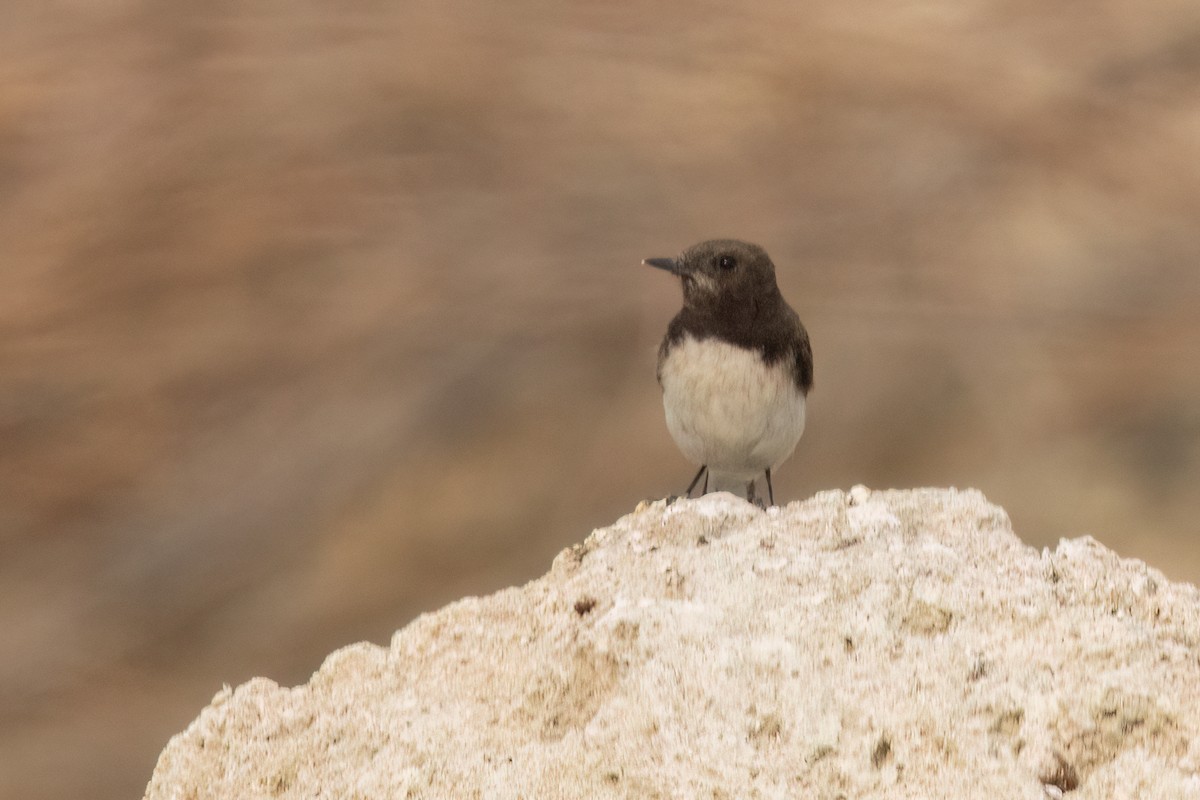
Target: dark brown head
{"type": "Point", "coordinates": [729, 292]}
{"type": "Point", "coordinates": [722, 273]}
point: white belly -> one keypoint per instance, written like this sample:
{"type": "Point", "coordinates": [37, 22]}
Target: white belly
{"type": "Point", "coordinates": [727, 409]}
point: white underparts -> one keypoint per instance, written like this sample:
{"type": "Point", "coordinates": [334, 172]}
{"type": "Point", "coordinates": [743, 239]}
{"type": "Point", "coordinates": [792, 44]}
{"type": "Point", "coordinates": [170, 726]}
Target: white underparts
{"type": "Point", "coordinates": [728, 409]}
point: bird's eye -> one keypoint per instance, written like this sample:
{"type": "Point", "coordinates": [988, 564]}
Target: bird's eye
{"type": "Point", "coordinates": [726, 262]}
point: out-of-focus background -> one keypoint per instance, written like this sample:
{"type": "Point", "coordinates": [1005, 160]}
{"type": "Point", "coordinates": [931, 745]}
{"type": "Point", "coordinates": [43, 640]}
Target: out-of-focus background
{"type": "Point", "coordinates": [313, 318]}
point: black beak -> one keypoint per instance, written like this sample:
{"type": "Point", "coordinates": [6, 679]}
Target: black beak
{"type": "Point", "coordinates": [669, 264]}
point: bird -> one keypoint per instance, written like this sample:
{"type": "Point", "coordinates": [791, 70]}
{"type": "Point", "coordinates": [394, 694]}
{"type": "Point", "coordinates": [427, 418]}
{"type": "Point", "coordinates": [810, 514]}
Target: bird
{"type": "Point", "coordinates": [735, 367]}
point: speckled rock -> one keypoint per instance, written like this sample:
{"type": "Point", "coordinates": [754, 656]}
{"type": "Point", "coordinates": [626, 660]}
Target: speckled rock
{"type": "Point", "coordinates": [899, 644]}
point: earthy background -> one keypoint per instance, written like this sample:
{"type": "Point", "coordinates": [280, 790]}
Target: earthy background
{"type": "Point", "coordinates": [313, 318]}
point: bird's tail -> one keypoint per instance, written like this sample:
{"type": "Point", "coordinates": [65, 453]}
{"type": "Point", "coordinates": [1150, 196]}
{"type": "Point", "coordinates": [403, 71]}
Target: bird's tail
{"type": "Point", "coordinates": [734, 482]}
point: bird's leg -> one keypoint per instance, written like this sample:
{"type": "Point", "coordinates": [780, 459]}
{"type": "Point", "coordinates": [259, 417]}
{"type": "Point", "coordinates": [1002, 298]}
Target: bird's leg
{"type": "Point", "coordinates": [703, 471]}
{"type": "Point", "coordinates": [770, 490]}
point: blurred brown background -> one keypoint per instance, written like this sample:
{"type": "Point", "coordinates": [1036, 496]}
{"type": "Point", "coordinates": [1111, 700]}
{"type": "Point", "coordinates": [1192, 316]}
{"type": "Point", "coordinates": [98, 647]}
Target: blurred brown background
{"type": "Point", "coordinates": [314, 318]}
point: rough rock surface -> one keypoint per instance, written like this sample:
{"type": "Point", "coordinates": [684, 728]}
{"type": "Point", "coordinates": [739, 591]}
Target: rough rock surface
{"type": "Point", "coordinates": [864, 644]}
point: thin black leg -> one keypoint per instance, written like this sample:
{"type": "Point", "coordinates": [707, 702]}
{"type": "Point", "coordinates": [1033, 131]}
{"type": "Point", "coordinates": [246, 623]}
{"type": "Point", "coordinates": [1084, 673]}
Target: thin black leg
{"type": "Point", "coordinates": [770, 490]}
{"type": "Point", "coordinates": [703, 471]}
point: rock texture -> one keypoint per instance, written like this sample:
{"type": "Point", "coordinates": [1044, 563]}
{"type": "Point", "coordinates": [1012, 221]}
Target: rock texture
{"type": "Point", "coordinates": [861, 644]}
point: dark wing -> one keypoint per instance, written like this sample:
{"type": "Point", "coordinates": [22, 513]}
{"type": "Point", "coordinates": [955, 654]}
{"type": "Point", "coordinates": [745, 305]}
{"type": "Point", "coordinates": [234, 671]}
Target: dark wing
{"type": "Point", "coordinates": [804, 363]}
{"type": "Point", "coordinates": [803, 355]}
{"type": "Point", "coordinates": [674, 334]}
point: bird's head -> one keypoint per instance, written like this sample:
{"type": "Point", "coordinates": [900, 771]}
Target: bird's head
{"type": "Point", "coordinates": [721, 271]}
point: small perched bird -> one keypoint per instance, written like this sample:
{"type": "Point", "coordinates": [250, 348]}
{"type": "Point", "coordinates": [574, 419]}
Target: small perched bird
{"type": "Point", "coordinates": [735, 367]}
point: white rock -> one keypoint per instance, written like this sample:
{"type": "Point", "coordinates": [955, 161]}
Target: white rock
{"type": "Point", "coordinates": [862, 645]}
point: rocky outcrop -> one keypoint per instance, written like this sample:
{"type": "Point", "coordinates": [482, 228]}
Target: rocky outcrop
{"type": "Point", "coordinates": [866, 644]}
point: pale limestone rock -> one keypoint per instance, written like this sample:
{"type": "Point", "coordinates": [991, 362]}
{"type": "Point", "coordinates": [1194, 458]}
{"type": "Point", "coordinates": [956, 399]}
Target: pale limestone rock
{"type": "Point", "coordinates": [855, 645]}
